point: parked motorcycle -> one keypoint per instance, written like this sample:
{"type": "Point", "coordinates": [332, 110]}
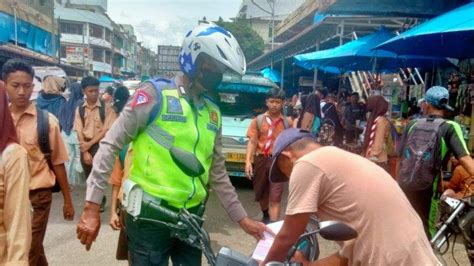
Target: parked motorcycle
{"type": "Point", "coordinates": [457, 219]}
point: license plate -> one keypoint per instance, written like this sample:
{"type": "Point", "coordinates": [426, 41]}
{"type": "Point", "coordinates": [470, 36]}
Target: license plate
{"type": "Point", "coordinates": [235, 157]}
{"type": "Point", "coordinates": [237, 174]}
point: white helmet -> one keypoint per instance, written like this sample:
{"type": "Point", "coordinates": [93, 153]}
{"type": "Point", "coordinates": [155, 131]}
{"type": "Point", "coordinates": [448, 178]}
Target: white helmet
{"type": "Point", "coordinates": [214, 42]}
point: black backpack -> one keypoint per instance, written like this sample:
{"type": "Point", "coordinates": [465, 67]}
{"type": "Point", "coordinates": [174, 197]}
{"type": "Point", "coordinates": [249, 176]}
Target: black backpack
{"type": "Point", "coordinates": [82, 111]}
{"type": "Point", "coordinates": [420, 160]}
{"type": "Point", "coordinates": [43, 140]}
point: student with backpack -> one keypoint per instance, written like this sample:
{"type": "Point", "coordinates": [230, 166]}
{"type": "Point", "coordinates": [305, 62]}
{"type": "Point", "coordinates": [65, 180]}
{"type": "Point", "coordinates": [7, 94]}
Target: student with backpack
{"type": "Point", "coordinates": [425, 147]}
{"type": "Point", "coordinates": [38, 132]}
{"type": "Point", "coordinates": [92, 120]}
{"type": "Point", "coordinates": [262, 132]}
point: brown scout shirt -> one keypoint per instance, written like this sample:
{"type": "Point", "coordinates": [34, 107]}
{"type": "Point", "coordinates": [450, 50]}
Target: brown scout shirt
{"type": "Point", "coordinates": [130, 123]}
{"type": "Point", "coordinates": [92, 122]}
{"type": "Point", "coordinates": [26, 130]}
{"type": "Point", "coordinates": [15, 210]}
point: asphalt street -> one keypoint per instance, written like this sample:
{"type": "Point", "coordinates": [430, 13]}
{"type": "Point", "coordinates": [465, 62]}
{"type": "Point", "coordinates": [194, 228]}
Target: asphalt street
{"type": "Point", "coordinates": [62, 247]}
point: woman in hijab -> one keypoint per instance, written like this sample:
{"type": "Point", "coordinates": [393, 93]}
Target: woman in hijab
{"type": "Point", "coordinates": [15, 216]}
{"type": "Point", "coordinates": [51, 98]}
{"type": "Point", "coordinates": [377, 131]}
{"type": "Point", "coordinates": [74, 169]}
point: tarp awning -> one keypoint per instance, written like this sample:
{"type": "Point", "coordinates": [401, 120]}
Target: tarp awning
{"type": "Point", "coordinates": [448, 35]}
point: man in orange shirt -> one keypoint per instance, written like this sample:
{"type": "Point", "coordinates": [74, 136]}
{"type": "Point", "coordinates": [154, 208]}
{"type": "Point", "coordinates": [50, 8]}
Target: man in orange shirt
{"type": "Point", "coordinates": [262, 132]}
{"type": "Point", "coordinates": [18, 78]}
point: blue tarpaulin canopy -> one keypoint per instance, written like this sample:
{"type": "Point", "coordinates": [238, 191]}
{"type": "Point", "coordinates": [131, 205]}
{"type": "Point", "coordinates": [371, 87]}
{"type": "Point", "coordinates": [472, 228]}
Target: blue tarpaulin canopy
{"type": "Point", "coordinates": [448, 35]}
{"type": "Point", "coordinates": [359, 55]}
{"type": "Point", "coordinates": [271, 74]}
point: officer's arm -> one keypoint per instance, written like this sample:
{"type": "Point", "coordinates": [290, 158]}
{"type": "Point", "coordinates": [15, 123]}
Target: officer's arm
{"type": "Point", "coordinates": [132, 120]}
{"type": "Point", "coordinates": [220, 183]}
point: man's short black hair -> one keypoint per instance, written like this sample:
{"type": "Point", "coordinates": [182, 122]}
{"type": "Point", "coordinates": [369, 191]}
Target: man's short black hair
{"type": "Point", "coordinates": [89, 81]}
{"type": "Point", "coordinates": [355, 94]}
{"type": "Point", "coordinates": [276, 93]}
{"type": "Point", "coordinates": [14, 65]}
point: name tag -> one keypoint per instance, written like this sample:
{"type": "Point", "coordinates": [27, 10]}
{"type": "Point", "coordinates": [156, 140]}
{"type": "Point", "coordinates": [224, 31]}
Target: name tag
{"type": "Point", "coordinates": [174, 118]}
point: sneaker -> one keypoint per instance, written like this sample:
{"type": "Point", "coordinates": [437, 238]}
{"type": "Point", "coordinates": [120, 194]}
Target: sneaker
{"type": "Point", "coordinates": [102, 204]}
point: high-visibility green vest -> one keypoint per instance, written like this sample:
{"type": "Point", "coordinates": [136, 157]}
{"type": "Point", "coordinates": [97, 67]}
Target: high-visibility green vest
{"type": "Point", "coordinates": [179, 124]}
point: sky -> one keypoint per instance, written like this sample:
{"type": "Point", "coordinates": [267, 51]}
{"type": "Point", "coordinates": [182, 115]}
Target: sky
{"type": "Point", "coordinates": [167, 21]}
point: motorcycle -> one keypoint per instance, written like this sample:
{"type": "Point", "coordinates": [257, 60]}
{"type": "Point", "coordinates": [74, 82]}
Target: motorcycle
{"type": "Point", "coordinates": [458, 219]}
{"type": "Point", "coordinates": [187, 226]}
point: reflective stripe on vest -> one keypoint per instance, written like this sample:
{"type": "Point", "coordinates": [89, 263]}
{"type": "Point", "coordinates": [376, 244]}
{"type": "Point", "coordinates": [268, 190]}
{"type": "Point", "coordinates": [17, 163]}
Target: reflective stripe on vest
{"type": "Point", "coordinates": [181, 125]}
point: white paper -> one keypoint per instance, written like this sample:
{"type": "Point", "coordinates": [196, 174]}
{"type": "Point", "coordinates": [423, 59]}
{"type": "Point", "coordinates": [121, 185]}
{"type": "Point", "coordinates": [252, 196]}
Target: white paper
{"type": "Point", "coordinates": [264, 245]}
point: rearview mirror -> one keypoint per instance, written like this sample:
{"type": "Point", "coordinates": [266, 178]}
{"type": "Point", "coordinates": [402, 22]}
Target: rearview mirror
{"type": "Point", "coordinates": [336, 231]}
{"type": "Point", "coordinates": [187, 162]}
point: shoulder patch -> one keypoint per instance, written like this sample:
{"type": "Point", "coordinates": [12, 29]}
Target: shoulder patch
{"type": "Point", "coordinates": [140, 98]}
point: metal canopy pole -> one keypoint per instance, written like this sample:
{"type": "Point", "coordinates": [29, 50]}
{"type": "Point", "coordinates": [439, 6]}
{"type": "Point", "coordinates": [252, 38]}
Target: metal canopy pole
{"type": "Point", "coordinates": [282, 82]}
{"type": "Point", "coordinates": [315, 77]}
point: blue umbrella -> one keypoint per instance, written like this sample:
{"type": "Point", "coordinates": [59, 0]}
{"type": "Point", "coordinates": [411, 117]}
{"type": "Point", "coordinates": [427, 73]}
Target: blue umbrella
{"type": "Point", "coordinates": [359, 55]}
{"type": "Point", "coordinates": [449, 35]}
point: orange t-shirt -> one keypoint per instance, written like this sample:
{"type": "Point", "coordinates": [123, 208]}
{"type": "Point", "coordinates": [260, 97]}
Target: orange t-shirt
{"type": "Point", "coordinates": [253, 132]}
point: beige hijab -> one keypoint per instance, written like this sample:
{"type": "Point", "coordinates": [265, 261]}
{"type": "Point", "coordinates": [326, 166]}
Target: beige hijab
{"type": "Point", "coordinates": [53, 85]}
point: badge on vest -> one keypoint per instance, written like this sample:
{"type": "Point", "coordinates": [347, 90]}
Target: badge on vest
{"type": "Point", "coordinates": [214, 117]}
{"type": "Point", "coordinates": [174, 105]}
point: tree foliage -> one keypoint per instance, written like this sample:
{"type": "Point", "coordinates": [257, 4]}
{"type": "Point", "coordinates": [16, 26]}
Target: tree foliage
{"type": "Point", "coordinates": [251, 43]}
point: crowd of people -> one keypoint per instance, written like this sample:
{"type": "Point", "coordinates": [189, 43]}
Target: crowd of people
{"type": "Point", "coordinates": [55, 144]}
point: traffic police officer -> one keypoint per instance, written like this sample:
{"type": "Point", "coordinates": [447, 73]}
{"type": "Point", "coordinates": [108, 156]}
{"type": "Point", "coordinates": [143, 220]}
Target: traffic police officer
{"type": "Point", "coordinates": [176, 113]}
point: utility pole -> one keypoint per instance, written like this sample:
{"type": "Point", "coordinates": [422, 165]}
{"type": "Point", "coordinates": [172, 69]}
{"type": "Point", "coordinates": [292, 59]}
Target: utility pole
{"type": "Point", "coordinates": [271, 4]}
{"type": "Point", "coordinates": [14, 6]}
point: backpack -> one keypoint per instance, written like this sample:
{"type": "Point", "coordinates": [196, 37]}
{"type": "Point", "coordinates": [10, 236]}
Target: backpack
{"type": "Point", "coordinates": [43, 140]}
{"type": "Point", "coordinates": [82, 111]}
{"type": "Point", "coordinates": [260, 118]}
{"type": "Point", "coordinates": [420, 158]}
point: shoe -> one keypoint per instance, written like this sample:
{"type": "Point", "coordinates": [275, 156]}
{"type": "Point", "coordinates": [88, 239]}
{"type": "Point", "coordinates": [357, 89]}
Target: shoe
{"type": "Point", "coordinates": [266, 220]}
{"type": "Point", "coordinates": [102, 204]}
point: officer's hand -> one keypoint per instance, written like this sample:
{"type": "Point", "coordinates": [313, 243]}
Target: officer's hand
{"type": "Point", "coordinates": [89, 224]}
{"type": "Point", "coordinates": [254, 228]}
{"type": "Point", "coordinates": [249, 170]}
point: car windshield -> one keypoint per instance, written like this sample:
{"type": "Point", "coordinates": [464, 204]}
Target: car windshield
{"type": "Point", "coordinates": [242, 97]}
{"type": "Point", "coordinates": [241, 104]}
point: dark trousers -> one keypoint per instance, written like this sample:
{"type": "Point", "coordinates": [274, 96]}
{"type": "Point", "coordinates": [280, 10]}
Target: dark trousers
{"type": "Point", "coordinates": [421, 202]}
{"type": "Point", "coordinates": [41, 203]}
{"type": "Point", "coordinates": [88, 168]}
{"type": "Point", "coordinates": [151, 244]}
